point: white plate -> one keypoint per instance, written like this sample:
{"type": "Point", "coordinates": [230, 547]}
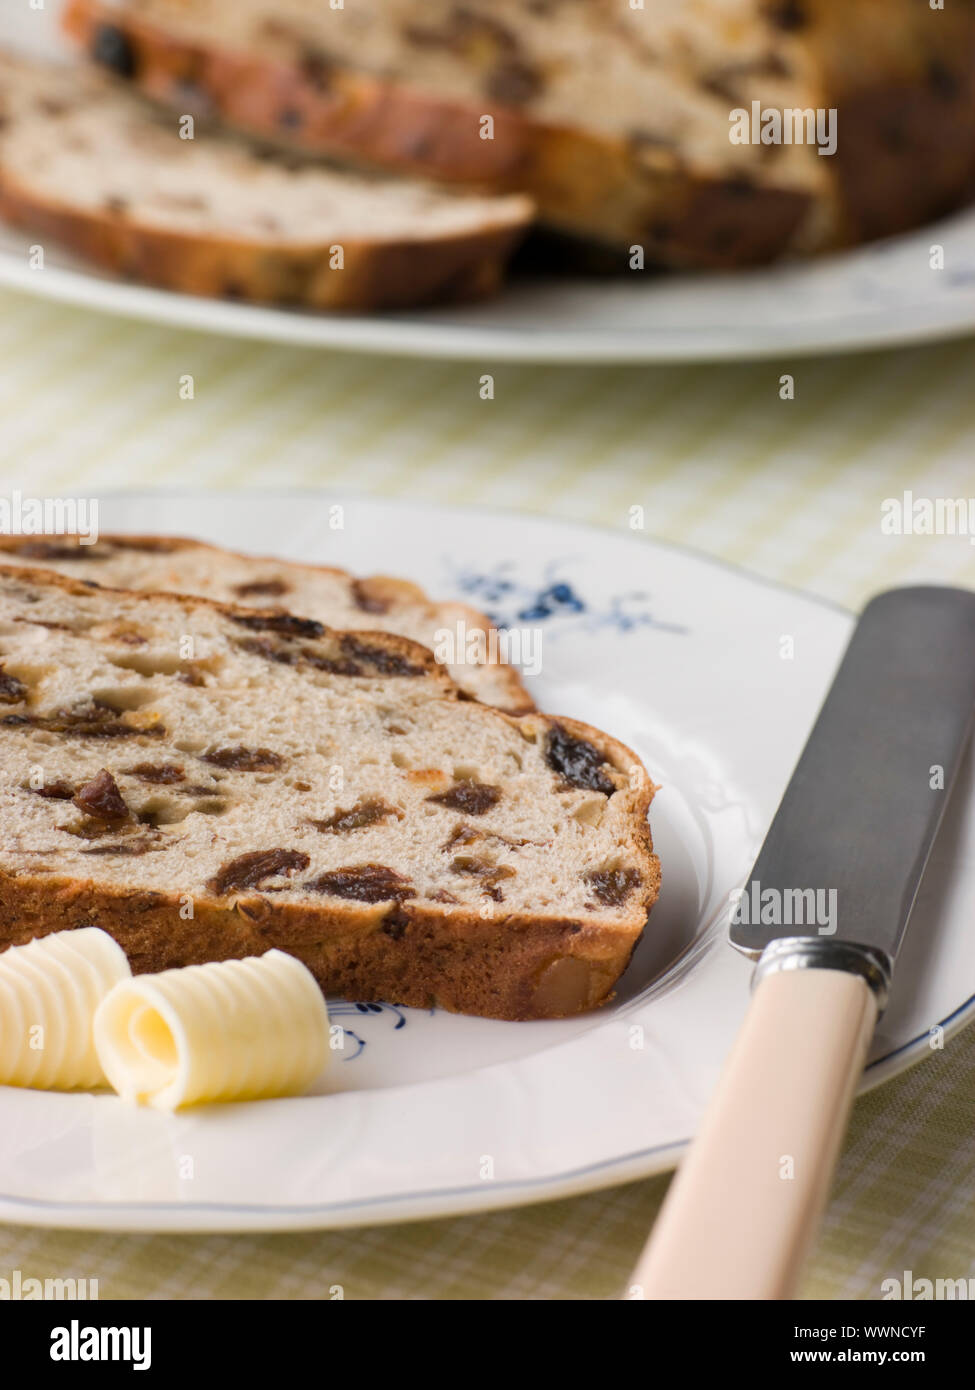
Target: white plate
{"type": "Point", "coordinates": [680, 657]}
{"type": "Point", "coordinates": [880, 295]}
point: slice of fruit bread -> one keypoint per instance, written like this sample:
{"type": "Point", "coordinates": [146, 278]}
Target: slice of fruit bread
{"type": "Point", "coordinates": [206, 782]}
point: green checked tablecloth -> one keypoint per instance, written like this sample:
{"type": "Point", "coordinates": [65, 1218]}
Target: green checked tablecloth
{"type": "Point", "coordinates": [790, 489]}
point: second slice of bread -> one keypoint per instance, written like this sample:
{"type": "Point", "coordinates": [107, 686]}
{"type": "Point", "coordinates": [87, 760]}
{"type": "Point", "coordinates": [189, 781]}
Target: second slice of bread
{"type": "Point", "coordinates": [332, 596]}
{"type": "Point", "coordinates": [87, 163]}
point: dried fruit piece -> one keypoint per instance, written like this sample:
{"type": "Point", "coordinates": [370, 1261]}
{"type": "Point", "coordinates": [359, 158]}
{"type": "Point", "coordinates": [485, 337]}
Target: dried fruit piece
{"type": "Point", "coordinates": [157, 774]}
{"type": "Point", "coordinates": [613, 886]}
{"type": "Point", "coordinates": [101, 799]}
{"type": "Point", "coordinates": [57, 790]}
{"type": "Point", "coordinates": [514, 83]}
{"type": "Point", "coordinates": [250, 870]}
{"type": "Point", "coordinates": [110, 47]}
{"type": "Point", "coordinates": [578, 762]}
{"type": "Point", "coordinates": [470, 797]}
{"type": "Point", "coordinates": [12, 691]}
{"type": "Point", "coordinates": [442, 896]}
{"type": "Point", "coordinates": [87, 721]}
{"type": "Point", "coordinates": [57, 550]}
{"type": "Point", "coordinates": [396, 922]}
{"type": "Point", "coordinates": [254, 909]}
{"type": "Point", "coordinates": [242, 759]}
{"type": "Point", "coordinates": [296, 656]}
{"type": "Point", "coordinates": [354, 656]}
{"type": "Point", "coordinates": [379, 660]}
{"type": "Point", "coordinates": [262, 588]}
{"type": "Point", "coordinates": [277, 620]}
{"type": "Point", "coordinates": [789, 15]}
{"type": "Point", "coordinates": [471, 834]}
{"type": "Point", "coordinates": [489, 874]}
{"type": "Point", "coordinates": [369, 812]}
{"type": "Point", "coordinates": [367, 883]}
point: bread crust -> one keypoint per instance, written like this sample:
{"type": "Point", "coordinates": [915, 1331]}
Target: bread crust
{"type": "Point", "coordinates": [375, 275]}
{"type": "Point", "coordinates": [906, 151]}
{"type": "Point", "coordinates": [508, 968]}
{"type": "Point", "coordinates": [505, 680]}
{"type": "Point", "coordinates": [507, 965]}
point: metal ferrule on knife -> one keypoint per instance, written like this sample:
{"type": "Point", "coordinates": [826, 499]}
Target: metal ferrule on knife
{"type": "Point", "coordinates": [821, 953]}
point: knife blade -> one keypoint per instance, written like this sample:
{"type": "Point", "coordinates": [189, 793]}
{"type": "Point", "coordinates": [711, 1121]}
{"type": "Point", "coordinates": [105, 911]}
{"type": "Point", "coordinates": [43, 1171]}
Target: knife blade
{"type": "Point", "coordinates": [840, 868]}
{"type": "Point", "coordinates": [823, 912]}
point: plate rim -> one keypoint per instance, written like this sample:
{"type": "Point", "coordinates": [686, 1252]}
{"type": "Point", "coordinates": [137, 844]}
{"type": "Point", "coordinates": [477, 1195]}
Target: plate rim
{"type": "Point", "coordinates": [397, 335]}
{"type": "Point", "coordinates": [205, 1217]}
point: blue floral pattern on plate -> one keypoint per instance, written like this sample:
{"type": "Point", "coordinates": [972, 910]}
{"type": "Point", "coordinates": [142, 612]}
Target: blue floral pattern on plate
{"type": "Point", "coordinates": [511, 601]}
{"type": "Point", "coordinates": [344, 1008]}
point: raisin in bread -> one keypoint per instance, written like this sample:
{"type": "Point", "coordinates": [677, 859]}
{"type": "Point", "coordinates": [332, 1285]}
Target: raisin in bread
{"type": "Point", "coordinates": [206, 782]}
{"type": "Point", "coordinates": [614, 117]}
{"type": "Point", "coordinates": [83, 161]}
{"type": "Point", "coordinates": [332, 596]}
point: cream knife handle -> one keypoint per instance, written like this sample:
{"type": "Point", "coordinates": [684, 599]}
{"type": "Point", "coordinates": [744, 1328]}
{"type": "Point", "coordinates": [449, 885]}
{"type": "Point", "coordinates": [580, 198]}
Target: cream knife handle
{"type": "Point", "coordinates": [742, 1211]}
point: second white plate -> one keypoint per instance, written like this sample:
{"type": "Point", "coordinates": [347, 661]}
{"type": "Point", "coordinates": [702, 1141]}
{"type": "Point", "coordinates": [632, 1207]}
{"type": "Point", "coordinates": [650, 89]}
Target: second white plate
{"type": "Point", "coordinates": [877, 296]}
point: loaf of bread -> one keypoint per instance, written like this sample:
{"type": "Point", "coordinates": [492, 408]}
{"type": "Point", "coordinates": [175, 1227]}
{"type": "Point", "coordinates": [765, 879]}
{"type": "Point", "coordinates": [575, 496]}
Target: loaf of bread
{"type": "Point", "coordinates": [87, 163]}
{"type": "Point", "coordinates": [613, 116]}
{"type": "Point", "coordinates": [207, 782]}
{"type": "Point", "coordinates": [332, 596]}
